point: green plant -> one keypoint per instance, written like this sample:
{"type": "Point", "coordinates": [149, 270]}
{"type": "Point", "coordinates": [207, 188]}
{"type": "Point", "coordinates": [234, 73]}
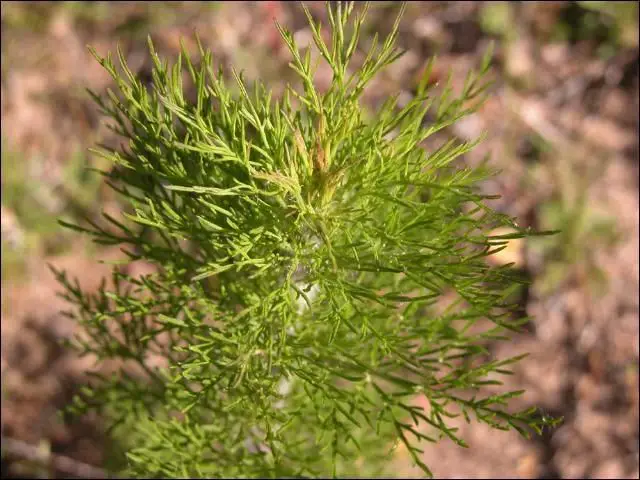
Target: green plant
{"type": "Point", "coordinates": [571, 256]}
{"type": "Point", "coordinates": [609, 26]}
{"type": "Point", "coordinates": [28, 16]}
{"type": "Point", "coordinates": [33, 200]}
{"type": "Point", "coordinates": [497, 18]}
{"type": "Point", "coordinates": [315, 272]}
{"type": "Point", "coordinates": [28, 200]}
{"type": "Point", "coordinates": [620, 19]}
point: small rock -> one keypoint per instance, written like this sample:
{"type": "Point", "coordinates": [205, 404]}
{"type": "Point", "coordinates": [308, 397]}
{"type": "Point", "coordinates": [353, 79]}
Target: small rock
{"type": "Point", "coordinates": [609, 469]}
{"type": "Point", "coordinates": [615, 104]}
{"type": "Point", "coordinates": [519, 61]}
{"type": "Point", "coordinates": [10, 229]}
{"type": "Point", "coordinates": [469, 127]}
{"type": "Point", "coordinates": [606, 133]}
{"type": "Point", "coordinates": [430, 29]}
{"type": "Point", "coordinates": [303, 38]}
{"type": "Point", "coordinates": [513, 253]}
{"type": "Point", "coordinates": [555, 54]}
{"type": "Point", "coordinates": [403, 66]}
{"type": "Point", "coordinates": [529, 466]}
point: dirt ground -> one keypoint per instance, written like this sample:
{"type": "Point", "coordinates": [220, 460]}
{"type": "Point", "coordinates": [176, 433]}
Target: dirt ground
{"type": "Point", "coordinates": [562, 124]}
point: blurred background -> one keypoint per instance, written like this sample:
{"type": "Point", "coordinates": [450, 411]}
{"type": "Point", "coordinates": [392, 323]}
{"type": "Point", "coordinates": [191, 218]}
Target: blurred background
{"type": "Point", "coordinates": [562, 123]}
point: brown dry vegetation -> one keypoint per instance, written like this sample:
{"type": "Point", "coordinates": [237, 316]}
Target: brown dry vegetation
{"type": "Point", "coordinates": [562, 120]}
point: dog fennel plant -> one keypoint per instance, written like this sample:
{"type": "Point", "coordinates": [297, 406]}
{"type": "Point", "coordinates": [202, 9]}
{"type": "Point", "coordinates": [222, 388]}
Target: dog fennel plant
{"type": "Point", "coordinates": [316, 272]}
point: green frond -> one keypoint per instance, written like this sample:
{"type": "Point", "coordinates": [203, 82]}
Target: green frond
{"type": "Point", "coordinates": [304, 254]}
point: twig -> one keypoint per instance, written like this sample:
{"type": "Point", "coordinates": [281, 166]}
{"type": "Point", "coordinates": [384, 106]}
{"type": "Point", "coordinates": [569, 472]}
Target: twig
{"type": "Point", "coordinates": [57, 462]}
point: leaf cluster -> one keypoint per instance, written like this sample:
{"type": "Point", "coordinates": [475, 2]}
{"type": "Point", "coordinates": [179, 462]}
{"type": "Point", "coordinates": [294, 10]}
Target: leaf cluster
{"type": "Point", "coordinates": [317, 269]}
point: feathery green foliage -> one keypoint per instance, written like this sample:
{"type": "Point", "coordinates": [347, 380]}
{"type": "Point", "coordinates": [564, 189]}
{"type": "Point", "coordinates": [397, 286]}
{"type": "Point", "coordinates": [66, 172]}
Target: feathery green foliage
{"type": "Point", "coordinates": [316, 272]}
